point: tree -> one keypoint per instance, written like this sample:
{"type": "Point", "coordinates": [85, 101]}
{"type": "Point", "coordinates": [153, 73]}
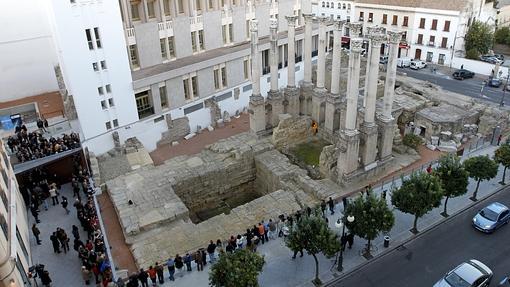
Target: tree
{"type": "Point", "coordinates": [453, 176]}
{"type": "Point", "coordinates": [240, 268]}
{"type": "Point", "coordinates": [479, 37]}
{"type": "Point", "coordinates": [480, 168]}
{"type": "Point", "coordinates": [502, 35]}
{"type": "Point", "coordinates": [312, 234]}
{"type": "Point", "coordinates": [418, 195]}
{"type": "Point", "coordinates": [372, 216]}
{"type": "Point", "coordinates": [502, 156]}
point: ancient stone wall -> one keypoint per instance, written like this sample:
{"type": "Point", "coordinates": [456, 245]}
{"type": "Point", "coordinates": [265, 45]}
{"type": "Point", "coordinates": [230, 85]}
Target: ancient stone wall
{"type": "Point", "coordinates": [177, 129]}
{"type": "Point", "coordinates": [292, 130]}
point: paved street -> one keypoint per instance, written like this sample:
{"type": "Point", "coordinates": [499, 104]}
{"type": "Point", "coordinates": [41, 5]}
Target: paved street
{"type": "Point", "coordinates": [424, 260]}
{"type": "Point", "coordinates": [468, 87]}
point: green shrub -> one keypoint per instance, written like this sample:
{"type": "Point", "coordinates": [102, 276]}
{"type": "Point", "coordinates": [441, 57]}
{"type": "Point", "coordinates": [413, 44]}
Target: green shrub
{"type": "Point", "coordinates": [412, 141]}
{"type": "Point", "coordinates": [472, 54]}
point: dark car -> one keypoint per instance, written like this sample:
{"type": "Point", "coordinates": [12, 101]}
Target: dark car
{"type": "Point", "coordinates": [463, 74]}
{"type": "Point", "coordinates": [496, 83]}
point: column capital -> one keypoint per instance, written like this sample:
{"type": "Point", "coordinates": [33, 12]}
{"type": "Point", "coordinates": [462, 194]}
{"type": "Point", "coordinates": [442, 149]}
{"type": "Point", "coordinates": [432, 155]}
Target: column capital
{"type": "Point", "coordinates": [376, 40]}
{"type": "Point", "coordinates": [291, 20]}
{"type": "Point", "coordinates": [254, 23]}
{"type": "Point", "coordinates": [394, 37]}
{"type": "Point", "coordinates": [273, 24]}
{"type": "Point", "coordinates": [323, 20]}
{"type": "Point", "coordinates": [339, 24]}
{"type": "Point", "coordinates": [376, 30]}
{"type": "Point", "coordinates": [356, 45]}
{"type": "Point", "coordinates": [308, 18]}
{"type": "Point", "coordinates": [355, 29]}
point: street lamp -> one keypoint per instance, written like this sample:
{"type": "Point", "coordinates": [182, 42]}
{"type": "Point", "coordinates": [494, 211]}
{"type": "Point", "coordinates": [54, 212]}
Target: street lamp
{"type": "Point", "coordinates": [339, 224]}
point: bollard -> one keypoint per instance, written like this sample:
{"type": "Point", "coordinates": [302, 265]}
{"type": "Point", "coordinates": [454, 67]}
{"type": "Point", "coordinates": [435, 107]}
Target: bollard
{"type": "Point", "coordinates": [386, 241]}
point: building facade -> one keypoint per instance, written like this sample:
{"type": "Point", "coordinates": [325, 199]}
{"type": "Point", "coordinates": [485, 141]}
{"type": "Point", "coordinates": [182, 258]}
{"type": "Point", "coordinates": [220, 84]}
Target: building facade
{"type": "Point", "coordinates": [336, 9]}
{"type": "Point", "coordinates": [15, 258]}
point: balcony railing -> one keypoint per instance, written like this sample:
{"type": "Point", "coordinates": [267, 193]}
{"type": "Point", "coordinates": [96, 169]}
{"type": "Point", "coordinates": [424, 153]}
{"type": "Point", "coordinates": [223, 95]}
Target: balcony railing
{"type": "Point", "coordinates": [195, 20]}
{"type": "Point", "coordinates": [168, 25]}
{"type": "Point", "coordinates": [130, 32]}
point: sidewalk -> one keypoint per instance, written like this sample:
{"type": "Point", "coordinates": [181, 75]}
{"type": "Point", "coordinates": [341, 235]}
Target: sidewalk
{"type": "Point", "coordinates": [281, 270]}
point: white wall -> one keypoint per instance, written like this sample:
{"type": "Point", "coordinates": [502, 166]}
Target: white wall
{"type": "Point", "coordinates": [27, 53]}
{"type": "Point", "coordinates": [478, 67]}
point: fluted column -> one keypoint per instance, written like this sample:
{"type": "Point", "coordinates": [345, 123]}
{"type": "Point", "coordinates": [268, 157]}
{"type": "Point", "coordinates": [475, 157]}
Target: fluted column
{"type": "Point", "coordinates": [353, 77]}
{"type": "Point", "coordinates": [308, 48]}
{"type": "Point", "coordinates": [321, 62]}
{"type": "Point", "coordinates": [337, 56]}
{"type": "Point", "coordinates": [291, 54]}
{"type": "Point", "coordinates": [273, 54]}
{"type": "Point", "coordinates": [391, 73]}
{"type": "Point", "coordinates": [369, 31]}
{"type": "Point", "coordinates": [256, 106]}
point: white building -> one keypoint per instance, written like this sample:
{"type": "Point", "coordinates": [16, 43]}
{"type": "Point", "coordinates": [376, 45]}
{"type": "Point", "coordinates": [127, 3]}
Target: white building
{"type": "Point", "coordinates": [335, 9]}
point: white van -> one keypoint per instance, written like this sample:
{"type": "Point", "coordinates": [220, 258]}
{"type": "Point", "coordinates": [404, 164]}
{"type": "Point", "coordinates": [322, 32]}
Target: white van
{"type": "Point", "coordinates": [404, 62]}
{"type": "Point", "coordinates": [418, 64]}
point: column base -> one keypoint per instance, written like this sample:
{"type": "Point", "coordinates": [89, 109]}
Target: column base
{"type": "Point", "coordinates": [257, 114]}
{"type": "Point", "coordinates": [291, 95]}
{"type": "Point", "coordinates": [275, 99]}
{"type": "Point", "coordinates": [369, 134]}
{"type": "Point", "coordinates": [318, 107]}
{"type": "Point", "coordinates": [332, 115]}
{"type": "Point", "coordinates": [348, 155]}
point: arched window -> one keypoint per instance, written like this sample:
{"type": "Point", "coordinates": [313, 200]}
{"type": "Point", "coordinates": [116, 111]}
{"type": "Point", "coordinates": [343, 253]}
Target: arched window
{"type": "Point", "coordinates": [348, 6]}
{"type": "Point", "coordinates": [327, 4]}
{"type": "Point", "coordinates": [343, 6]}
{"type": "Point", "coordinates": [323, 4]}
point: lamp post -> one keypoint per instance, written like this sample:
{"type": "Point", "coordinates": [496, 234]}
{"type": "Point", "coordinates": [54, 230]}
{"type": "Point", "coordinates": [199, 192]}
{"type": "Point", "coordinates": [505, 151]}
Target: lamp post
{"type": "Point", "coordinates": [339, 224]}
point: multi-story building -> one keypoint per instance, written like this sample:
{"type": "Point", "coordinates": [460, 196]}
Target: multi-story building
{"type": "Point", "coordinates": [15, 259]}
{"type": "Point", "coordinates": [335, 9]}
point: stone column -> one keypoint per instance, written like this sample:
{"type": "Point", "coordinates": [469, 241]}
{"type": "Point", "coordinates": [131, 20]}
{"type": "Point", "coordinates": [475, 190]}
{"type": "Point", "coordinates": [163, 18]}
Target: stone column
{"type": "Point", "coordinates": [369, 129]}
{"type": "Point", "coordinates": [307, 86]}
{"type": "Point", "coordinates": [274, 96]}
{"type": "Point", "coordinates": [370, 31]}
{"type": "Point", "coordinates": [333, 99]}
{"type": "Point", "coordinates": [256, 106]}
{"type": "Point", "coordinates": [291, 92]}
{"type": "Point", "coordinates": [319, 92]}
{"type": "Point", "coordinates": [348, 159]}
{"type": "Point", "coordinates": [386, 120]}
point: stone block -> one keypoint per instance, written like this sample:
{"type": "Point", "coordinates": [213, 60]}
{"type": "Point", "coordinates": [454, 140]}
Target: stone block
{"type": "Point", "coordinates": [189, 136]}
{"type": "Point", "coordinates": [210, 128]}
{"type": "Point", "coordinates": [174, 143]}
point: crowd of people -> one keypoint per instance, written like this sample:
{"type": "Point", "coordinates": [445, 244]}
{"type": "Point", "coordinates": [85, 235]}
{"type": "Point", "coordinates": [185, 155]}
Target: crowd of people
{"type": "Point", "coordinates": [90, 250]}
{"type": "Point", "coordinates": [33, 145]}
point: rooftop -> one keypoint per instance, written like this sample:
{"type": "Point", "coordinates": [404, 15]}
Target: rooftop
{"type": "Point", "coordinates": [454, 5]}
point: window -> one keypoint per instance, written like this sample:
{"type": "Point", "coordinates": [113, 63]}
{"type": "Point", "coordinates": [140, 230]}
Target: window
{"type": "Point", "coordinates": [395, 20]}
{"type": "Point", "coordinates": [100, 91]}
{"type": "Point", "coordinates": [198, 6]}
{"type": "Point", "coordinates": [361, 14]}
{"type": "Point", "coordinates": [194, 86]}
{"type": "Point", "coordinates": [323, 4]}
{"type": "Point", "coordinates": [446, 26]}
{"type": "Point", "coordinates": [429, 56]}
{"type": "Point", "coordinates": [343, 6]}
{"type": "Point", "coordinates": [444, 42]}
{"type": "Point", "coordinates": [217, 85]}
{"type": "Point", "coordinates": [108, 125]}
{"type": "Point", "coordinates": [230, 32]}
{"type": "Point", "coordinates": [246, 68]}
{"type": "Point", "coordinates": [420, 39]}
{"type": "Point", "coordinates": [185, 84]}
{"type": "Point", "coordinates": [133, 56]}
{"type": "Point", "coordinates": [110, 102]}
{"type": "Point", "coordinates": [340, 6]}
{"type": "Point", "coordinates": [98, 38]}
{"type": "Point", "coordinates": [103, 105]}
{"type": "Point", "coordinates": [370, 17]}
{"type": "Point", "coordinates": [89, 39]}
{"type": "Point", "coordinates": [224, 34]}
{"type": "Point", "coordinates": [406, 21]}
{"type": "Point", "coordinates": [162, 46]}
{"type": "Point", "coordinates": [72, 1]}
{"type": "Point", "coordinates": [404, 36]}
{"type": "Point", "coordinates": [180, 5]}
{"type": "Point", "coordinates": [21, 242]}
{"type": "Point", "coordinates": [171, 50]}
{"type": "Point", "coordinates": [135, 14]}
{"type": "Point", "coordinates": [150, 9]}
{"type": "Point", "coordinates": [440, 61]}
{"type": "Point", "coordinates": [422, 23]}
{"type": "Point", "coordinates": [103, 65]}
{"type": "Point", "coordinates": [434, 24]}
{"type": "Point", "coordinates": [166, 7]}
{"type": "Point", "coordinates": [224, 76]}
{"type": "Point", "coordinates": [211, 4]}
{"type": "Point", "coordinates": [115, 123]}
{"type": "Point", "coordinates": [163, 97]}
{"type": "Point", "coordinates": [247, 29]}
{"type": "Point", "coordinates": [432, 39]}
{"type": "Point", "coordinates": [385, 19]}
{"type": "Point", "coordinates": [95, 66]}
{"type": "Point", "coordinates": [194, 41]}
{"type": "Point", "coordinates": [201, 39]}
{"type": "Point", "coordinates": [108, 88]}
{"type": "Point", "coordinates": [143, 104]}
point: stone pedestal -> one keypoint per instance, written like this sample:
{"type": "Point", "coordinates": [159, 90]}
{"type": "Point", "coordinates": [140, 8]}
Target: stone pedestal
{"type": "Point", "coordinates": [386, 134]}
{"type": "Point", "coordinates": [369, 145]}
{"type": "Point", "coordinates": [257, 114]}
{"type": "Point", "coordinates": [331, 119]}
{"type": "Point", "coordinates": [275, 98]}
{"type": "Point", "coordinates": [306, 98]}
{"type": "Point", "coordinates": [318, 99]}
{"type": "Point", "coordinates": [348, 157]}
{"type": "Point", "coordinates": [292, 96]}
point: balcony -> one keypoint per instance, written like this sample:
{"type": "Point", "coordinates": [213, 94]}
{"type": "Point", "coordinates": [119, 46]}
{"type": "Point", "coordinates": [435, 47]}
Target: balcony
{"type": "Point", "coordinates": [162, 26]}
{"type": "Point", "coordinates": [196, 20]}
{"type": "Point", "coordinates": [130, 32]}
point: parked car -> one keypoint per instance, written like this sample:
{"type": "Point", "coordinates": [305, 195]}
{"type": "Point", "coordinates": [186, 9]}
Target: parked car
{"type": "Point", "coordinates": [403, 62]}
{"type": "Point", "coordinates": [490, 59]}
{"type": "Point", "coordinates": [463, 74]}
{"type": "Point", "coordinates": [383, 60]}
{"type": "Point", "coordinates": [500, 57]}
{"type": "Point", "coordinates": [505, 282]}
{"type": "Point", "coordinates": [491, 217]}
{"type": "Point", "coordinates": [469, 274]}
{"type": "Point", "coordinates": [417, 64]}
{"type": "Point", "coordinates": [495, 82]}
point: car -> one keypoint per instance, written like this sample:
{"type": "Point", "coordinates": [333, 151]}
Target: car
{"type": "Point", "coordinates": [494, 82]}
{"type": "Point", "coordinates": [505, 282]}
{"type": "Point", "coordinates": [500, 57]}
{"type": "Point", "coordinates": [463, 74]}
{"type": "Point", "coordinates": [468, 274]}
{"type": "Point", "coordinates": [383, 60]}
{"type": "Point", "coordinates": [491, 217]}
{"type": "Point", "coordinates": [403, 62]}
{"type": "Point", "coordinates": [417, 64]}
{"type": "Point", "coordinates": [491, 59]}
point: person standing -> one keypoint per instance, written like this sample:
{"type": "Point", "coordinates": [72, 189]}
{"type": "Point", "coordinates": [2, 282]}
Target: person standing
{"type": "Point", "coordinates": [187, 261]}
{"type": "Point", "coordinates": [272, 229]}
{"type": "Point", "coordinates": [35, 213]}
{"type": "Point", "coordinates": [85, 273]}
{"type": "Point", "coordinates": [65, 203]}
{"type": "Point", "coordinates": [143, 276]}
{"type": "Point", "coordinates": [261, 232]}
{"type": "Point", "coordinates": [178, 263]}
{"type": "Point", "coordinates": [36, 232]}
{"type": "Point", "coordinates": [331, 205]}
{"type": "Point", "coordinates": [198, 260]}
{"type": "Point", "coordinates": [55, 242]}
{"type": "Point", "coordinates": [170, 264]}
{"type": "Point", "coordinates": [152, 275]}
{"type": "Point", "coordinates": [350, 239]}
{"type": "Point", "coordinates": [54, 194]}
{"type": "Point", "coordinates": [159, 272]}
{"type": "Point", "coordinates": [296, 252]}
{"type": "Point", "coordinates": [323, 207]}
{"type": "Point", "coordinates": [211, 248]}
{"type": "Point", "coordinates": [45, 278]}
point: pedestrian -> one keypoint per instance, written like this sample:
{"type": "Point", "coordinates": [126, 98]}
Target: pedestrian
{"type": "Point", "coordinates": [343, 242]}
{"type": "Point", "coordinates": [266, 230]}
{"type": "Point", "coordinates": [152, 275]}
{"type": "Point", "coordinates": [170, 264]}
{"type": "Point", "coordinates": [178, 263]}
{"type": "Point", "coordinates": [187, 261]}
{"type": "Point", "coordinates": [261, 232]}
{"type": "Point", "coordinates": [54, 194]}
{"type": "Point", "coordinates": [133, 280]}
{"type": "Point", "coordinates": [383, 195]}
{"type": "Point", "coordinates": [462, 67]}
{"type": "Point", "coordinates": [211, 248]}
{"type": "Point", "coordinates": [45, 278]}
{"type": "Point", "coordinates": [198, 260]}
{"type": "Point", "coordinates": [499, 139]}
{"type": "Point", "coordinates": [35, 213]}
{"type": "Point", "coordinates": [204, 256]}
{"type": "Point", "coordinates": [323, 207]}
{"type": "Point", "coordinates": [36, 232]}
{"type": "Point", "coordinates": [76, 187]}
{"type": "Point", "coordinates": [272, 229]}
{"type": "Point", "coordinates": [331, 205]}
{"type": "Point", "coordinates": [350, 239]}
{"type": "Point", "coordinates": [142, 277]}
{"type": "Point", "coordinates": [240, 241]}
{"type": "Point", "coordinates": [85, 274]}
{"type": "Point", "coordinates": [296, 252]}
{"type": "Point", "coordinates": [344, 202]}
{"type": "Point", "coordinates": [65, 203]}
{"type": "Point", "coordinates": [64, 240]}
{"type": "Point", "coordinates": [429, 169]}
{"type": "Point", "coordinates": [219, 243]}
{"type": "Point", "coordinates": [55, 242]}
{"type": "Point", "coordinates": [75, 232]}
{"type": "Point", "coordinates": [159, 271]}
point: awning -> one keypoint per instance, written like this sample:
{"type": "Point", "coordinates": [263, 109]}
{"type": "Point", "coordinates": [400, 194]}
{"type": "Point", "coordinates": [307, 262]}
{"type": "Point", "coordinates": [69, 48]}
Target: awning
{"type": "Point", "coordinates": [404, 46]}
{"type": "Point", "coordinates": [28, 165]}
{"type": "Point", "coordinates": [345, 40]}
